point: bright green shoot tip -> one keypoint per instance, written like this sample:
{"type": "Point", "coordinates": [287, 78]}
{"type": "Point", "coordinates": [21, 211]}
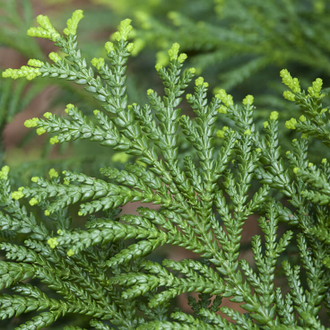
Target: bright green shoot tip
{"type": "Point", "coordinates": [68, 107]}
{"type": "Point", "coordinates": [98, 62]}
{"type": "Point", "coordinates": [72, 23]}
{"type": "Point", "coordinates": [292, 83]}
{"type": "Point", "coordinates": [54, 57]}
{"type": "Point", "coordinates": [291, 124]}
{"type": "Point", "coordinates": [249, 99]}
{"type": "Point", "coordinates": [17, 195]}
{"type": "Point", "coordinates": [53, 173]}
{"type": "Point", "coordinates": [35, 179]}
{"type": "Point", "coordinates": [225, 98]}
{"type": "Point", "coordinates": [54, 140]}
{"type": "Point", "coordinates": [31, 122]}
{"type": "Point", "coordinates": [25, 71]}
{"type": "Point", "coordinates": [316, 87]}
{"type": "Point", "coordinates": [199, 81]}
{"type": "Point", "coordinates": [36, 63]}
{"type": "Point", "coordinates": [124, 30]}
{"type": "Point", "coordinates": [4, 172]}
{"type": "Point", "coordinates": [46, 29]}
{"type": "Point", "coordinates": [41, 131]}
{"type": "Point", "coordinates": [174, 51]}
{"type": "Point", "coordinates": [53, 242]}
{"type": "Point", "coordinates": [33, 201]}
{"type": "Point", "coordinates": [274, 115]}
{"type": "Point", "coordinates": [70, 253]}
{"type": "Point", "coordinates": [109, 47]}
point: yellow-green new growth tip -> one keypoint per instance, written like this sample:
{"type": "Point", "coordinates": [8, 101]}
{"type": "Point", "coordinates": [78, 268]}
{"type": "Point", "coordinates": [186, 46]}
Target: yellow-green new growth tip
{"type": "Point", "coordinates": [25, 71]}
{"type": "Point", "coordinates": [98, 62]}
{"type": "Point", "coordinates": [31, 122]}
{"type": "Point", "coordinates": [302, 118]}
{"type": "Point", "coordinates": [68, 107]}
{"type": "Point", "coordinates": [54, 140]}
{"type": "Point", "coordinates": [17, 195]}
{"type": "Point", "coordinates": [174, 51]}
{"type": "Point", "coordinates": [150, 91]}
{"type": "Point", "coordinates": [225, 98]}
{"type": "Point", "coordinates": [53, 173]}
{"type": "Point", "coordinates": [47, 115]}
{"type": "Point", "coordinates": [292, 83]}
{"type": "Point", "coordinates": [96, 112]}
{"type": "Point", "coordinates": [248, 100]}
{"type": "Point", "coordinates": [324, 161]}
{"type": "Point", "coordinates": [289, 96]}
{"type": "Point", "coordinates": [72, 23]}
{"type": "Point", "coordinates": [46, 29]}
{"type": "Point", "coordinates": [274, 115]}
{"type": "Point", "coordinates": [291, 124]}
{"type": "Point", "coordinates": [35, 63]}
{"type": "Point", "coordinates": [316, 87]}
{"type": "Point", "coordinates": [124, 29]}
{"type": "Point", "coordinates": [222, 109]}
{"type": "Point", "coordinates": [158, 66]}
{"type": "Point", "coordinates": [221, 133]}
{"type": "Point", "coordinates": [54, 57]}
{"type": "Point", "coordinates": [247, 132]}
{"type": "Point", "coordinates": [109, 47]}
{"type": "Point", "coordinates": [266, 124]}
{"type": "Point", "coordinates": [4, 172]}
{"type": "Point", "coordinates": [52, 242]}
{"type": "Point", "coordinates": [70, 253]}
{"type": "Point", "coordinates": [47, 213]}
{"type": "Point", "coordinates": [199, 81]}
{"type": "Point", "coordinates": [304, 136]}
{"type": "Point", "coordinates": [182, 57]}
{"type": "Point", "coordinates": [33, 201]}
{"type": "Point", "coordinates": [130, 47]}
{"type": "Point", "coordinates": [35, 179]}
{"type": "Point", "coordinates": [40, 131]}
{"type": "Point", "coordinates": [296, 170]}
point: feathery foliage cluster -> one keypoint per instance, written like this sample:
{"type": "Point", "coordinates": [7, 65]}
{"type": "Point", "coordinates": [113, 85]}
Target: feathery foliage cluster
{"type": "Point", "coordinates": [238, 46]}
{"type": "Point", "coordinates": [104, 271]}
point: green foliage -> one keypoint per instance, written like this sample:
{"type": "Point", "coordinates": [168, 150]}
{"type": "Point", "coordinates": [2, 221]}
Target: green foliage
{"type": "Point", "coordinates": [105, 271]}
{"type": "Point", "coordinates": [16, 17]}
